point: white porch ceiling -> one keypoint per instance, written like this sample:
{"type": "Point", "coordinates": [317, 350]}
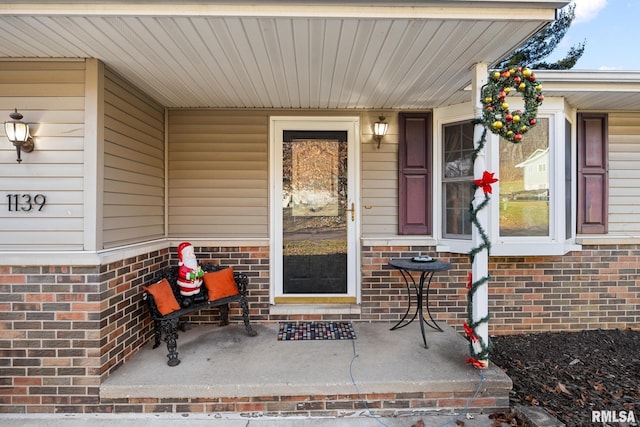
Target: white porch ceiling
{"type": "Point", "coordinates": [279, 54]}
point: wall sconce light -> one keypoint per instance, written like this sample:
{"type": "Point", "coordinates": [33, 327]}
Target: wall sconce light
{"type": "Point", "coordinates": [18, 134]}
{"type": "Point", "coordinates": [379, 129]}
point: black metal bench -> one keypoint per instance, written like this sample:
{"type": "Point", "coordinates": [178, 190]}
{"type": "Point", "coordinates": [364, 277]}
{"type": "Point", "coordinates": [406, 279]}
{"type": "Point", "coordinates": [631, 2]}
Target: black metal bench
{"type": "Point", "coordinates": [168, 323]}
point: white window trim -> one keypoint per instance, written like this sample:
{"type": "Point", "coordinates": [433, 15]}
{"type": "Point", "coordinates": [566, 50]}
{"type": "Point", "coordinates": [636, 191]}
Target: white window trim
{"type": "Point", "coordinates": [554, 244]}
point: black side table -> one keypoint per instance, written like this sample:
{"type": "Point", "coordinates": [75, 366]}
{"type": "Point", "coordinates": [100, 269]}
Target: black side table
{"type": "Point", "coordinates": [427, 270]}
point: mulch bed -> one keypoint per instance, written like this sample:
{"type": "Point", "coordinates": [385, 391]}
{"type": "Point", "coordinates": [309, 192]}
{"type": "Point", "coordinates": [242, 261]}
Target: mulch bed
{"type": "Point", "coordinates": [572, 373]}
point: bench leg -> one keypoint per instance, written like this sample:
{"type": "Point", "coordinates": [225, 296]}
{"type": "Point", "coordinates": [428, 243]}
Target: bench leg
{"type": "Point", "coordinates": [245, 316]}
{"type": "Point", "coordinates": [157, 332]}
{"type": "Point", "coordinates": [170, 327]}
{"type": "Point", "coordinates": [224, 314]}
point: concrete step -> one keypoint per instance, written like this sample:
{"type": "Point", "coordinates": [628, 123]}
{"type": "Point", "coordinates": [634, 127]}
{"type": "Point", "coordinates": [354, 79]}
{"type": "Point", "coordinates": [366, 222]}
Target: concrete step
{"type": "Point", "coordinates": [382, 372]}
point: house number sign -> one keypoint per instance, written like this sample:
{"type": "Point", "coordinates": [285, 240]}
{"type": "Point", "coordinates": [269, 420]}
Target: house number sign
{"type": "Point", "coordinates": [26, 202]}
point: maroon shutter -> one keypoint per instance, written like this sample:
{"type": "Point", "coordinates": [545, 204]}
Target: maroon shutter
{"type": "Point", "coordinates": [593, 173]}
{"type": "Point", "coordinates": [414, 167]}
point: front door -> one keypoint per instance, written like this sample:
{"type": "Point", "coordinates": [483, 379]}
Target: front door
{"type": "Point", "coordinates": [314, 210]}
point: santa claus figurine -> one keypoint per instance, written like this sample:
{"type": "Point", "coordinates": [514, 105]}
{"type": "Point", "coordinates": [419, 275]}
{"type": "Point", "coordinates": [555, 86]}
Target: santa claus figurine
{"type": "Point", "coordinates": [189, 274]}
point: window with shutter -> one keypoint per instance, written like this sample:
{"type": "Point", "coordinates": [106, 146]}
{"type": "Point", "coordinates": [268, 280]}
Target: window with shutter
{"type": "Point", "coordinates": [532, 209]}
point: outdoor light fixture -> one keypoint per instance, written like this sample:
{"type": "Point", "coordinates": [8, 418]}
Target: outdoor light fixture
{"type": "Point", "coordinates": [18, 134]}
{"type": "Point", "coordinates": [379, 129]}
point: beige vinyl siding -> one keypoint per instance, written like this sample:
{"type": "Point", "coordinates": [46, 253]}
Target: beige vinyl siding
{"type": "Point", "coordinates": [50, 95]}
{"type": "Point", "coordinates": [379, 178]}
{"type": "Point", "coordinates": [624, 173]}
{"type": "Point", "coordinates": [218, 173]}
{"type": "Point", "coordinates": [133, 204]}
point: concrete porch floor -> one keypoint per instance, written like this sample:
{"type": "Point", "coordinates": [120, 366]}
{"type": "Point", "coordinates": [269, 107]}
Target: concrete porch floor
{"type": "Point", "coordinates": [382, 372]}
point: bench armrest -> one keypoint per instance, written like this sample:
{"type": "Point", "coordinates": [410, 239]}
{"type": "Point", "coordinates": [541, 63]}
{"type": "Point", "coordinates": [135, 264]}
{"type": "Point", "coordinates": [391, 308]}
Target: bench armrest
{"type": "Point", "coordinates": [242, 281]}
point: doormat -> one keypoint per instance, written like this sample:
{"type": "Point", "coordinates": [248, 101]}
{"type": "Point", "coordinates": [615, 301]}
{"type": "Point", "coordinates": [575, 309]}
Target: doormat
{"type": "Point", "coordinates": [307, 331]}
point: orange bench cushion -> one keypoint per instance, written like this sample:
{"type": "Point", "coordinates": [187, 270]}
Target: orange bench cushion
{"type": "Point", "coordinates": [163, 295]}
{"type": "Point", "coordinates": [220, 284]}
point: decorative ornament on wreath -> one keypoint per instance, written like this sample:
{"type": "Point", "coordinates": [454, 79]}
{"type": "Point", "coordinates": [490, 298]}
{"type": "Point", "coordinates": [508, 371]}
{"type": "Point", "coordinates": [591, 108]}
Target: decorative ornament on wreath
{"type": "Point", "coordinates": [496, 115]}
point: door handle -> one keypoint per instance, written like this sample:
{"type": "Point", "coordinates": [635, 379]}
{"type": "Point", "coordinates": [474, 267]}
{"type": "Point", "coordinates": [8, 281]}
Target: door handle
{"type": "Point", "coordinates": [353, 211]}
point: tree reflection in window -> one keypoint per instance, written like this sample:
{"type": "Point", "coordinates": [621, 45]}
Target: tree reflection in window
{"type": "Point", "coordinates": [524, 184]}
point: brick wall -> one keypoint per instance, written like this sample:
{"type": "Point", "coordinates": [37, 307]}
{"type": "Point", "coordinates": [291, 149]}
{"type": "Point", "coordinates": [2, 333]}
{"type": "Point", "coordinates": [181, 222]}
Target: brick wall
{"type": "Point", "coordinates": [49, 337]}
{"type": "Point", "coordinates": [63, 330]}
{"type": "Point", "coordinates": [250, 260]}
{"type": "Point", "coordinates": [126, 323]}
{"type": "Point", "coordinates": [598, 287]}
{"type": "Point", "coordinates": [384, 293]}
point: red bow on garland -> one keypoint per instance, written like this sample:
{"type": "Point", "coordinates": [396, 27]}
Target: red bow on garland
{"type": "Point", "coordinates": [469, 280]}
{"type": "Point", "coordinates": [470, 333]}
{"type": "Point", "coordinates": [477, 363]}
{"type": "Point", "coordinates": [485, 182]}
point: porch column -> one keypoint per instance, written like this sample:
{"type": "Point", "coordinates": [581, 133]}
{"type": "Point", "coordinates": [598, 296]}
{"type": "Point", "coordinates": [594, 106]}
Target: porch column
{"type": "Point", "coordinates": [480, 265]}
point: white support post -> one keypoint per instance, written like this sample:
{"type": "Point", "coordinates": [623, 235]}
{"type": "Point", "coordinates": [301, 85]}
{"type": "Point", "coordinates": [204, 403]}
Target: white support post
{"type": "Point", "coordinates": [480, 265]}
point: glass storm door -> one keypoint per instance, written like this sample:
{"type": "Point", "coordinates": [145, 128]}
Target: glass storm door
{"type": "Point", "coordinates": [316, 260]}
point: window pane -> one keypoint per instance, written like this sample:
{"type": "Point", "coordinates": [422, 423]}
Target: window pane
{"type": "Point", "coordinates": [524, 184]}
{"type": "Point", "coordinates": [457, 188]}
{"type": "Point", "coordinates": [457, 220]}
{"type": "Point", "coordinates": [458, 149]}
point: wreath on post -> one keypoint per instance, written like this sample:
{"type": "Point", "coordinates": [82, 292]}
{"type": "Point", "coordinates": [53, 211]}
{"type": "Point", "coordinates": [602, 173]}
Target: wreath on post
{"type": "Point", "coordinates": [497, 118]}
{"type": "Point", "coordinates": [496, 115]}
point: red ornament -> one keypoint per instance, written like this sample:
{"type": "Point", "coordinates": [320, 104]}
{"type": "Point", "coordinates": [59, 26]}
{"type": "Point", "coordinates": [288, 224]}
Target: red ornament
{"type": "Point", "coordinates": [508, 117]}
{"type": "Point", "coordinates": [532, 122]}
{"type": "Point", "coordinates": [517, 137]}
{"type": "Point", "coordinates": [517, 79]}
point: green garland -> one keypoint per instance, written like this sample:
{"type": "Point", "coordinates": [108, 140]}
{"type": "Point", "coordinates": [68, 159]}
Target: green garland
{"type": "Point", "coordinates": [497, 118]}
{"type": "Point", "coordinates": [496, 115]}
{"type": "Point", "coordinates": [479, 350]}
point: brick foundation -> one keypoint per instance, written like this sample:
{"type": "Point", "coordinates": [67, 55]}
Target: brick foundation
{"type": "Point", "coordinates": [381, 404]}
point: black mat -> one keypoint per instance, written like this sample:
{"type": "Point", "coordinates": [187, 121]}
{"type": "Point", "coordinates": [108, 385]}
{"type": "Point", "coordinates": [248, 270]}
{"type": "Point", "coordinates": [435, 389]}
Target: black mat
{"type": "Point", "coordinates": [307, 331]}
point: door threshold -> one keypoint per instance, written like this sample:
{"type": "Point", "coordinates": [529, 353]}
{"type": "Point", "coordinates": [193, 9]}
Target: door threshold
{"type": "Point", "coordinates": [315, 300]}
{"type": "Point", "coordinates": [295, 309]}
